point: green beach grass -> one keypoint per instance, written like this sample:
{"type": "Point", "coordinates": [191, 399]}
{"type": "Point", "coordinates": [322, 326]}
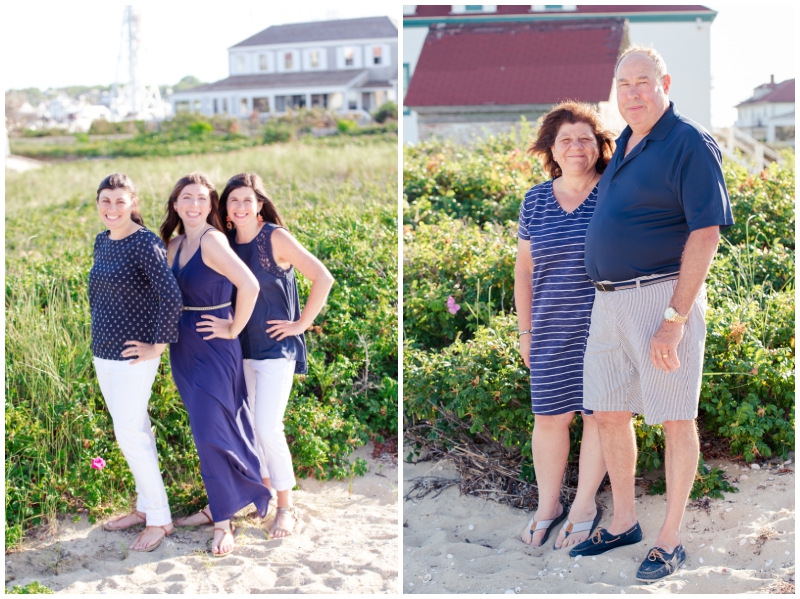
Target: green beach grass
{"type": "Point", "coordinates": [339, 201]}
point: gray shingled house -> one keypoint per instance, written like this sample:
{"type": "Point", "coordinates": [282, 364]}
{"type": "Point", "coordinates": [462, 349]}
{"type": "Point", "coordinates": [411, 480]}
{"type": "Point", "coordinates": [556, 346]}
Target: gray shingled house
{"type": "Point", "coordinates": [345, 65]}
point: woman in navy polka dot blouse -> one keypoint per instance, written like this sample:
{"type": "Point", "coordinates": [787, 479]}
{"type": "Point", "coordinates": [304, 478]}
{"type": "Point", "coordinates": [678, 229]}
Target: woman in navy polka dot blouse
{"type": "Point", "coordinates": [135, 306]}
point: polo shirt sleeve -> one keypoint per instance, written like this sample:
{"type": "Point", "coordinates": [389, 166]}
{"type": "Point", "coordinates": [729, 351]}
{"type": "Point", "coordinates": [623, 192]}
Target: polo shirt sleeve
{"type": "Point", "coordinates": [702, 191]}
{"type": "Point", "coordinates": [522, 231]}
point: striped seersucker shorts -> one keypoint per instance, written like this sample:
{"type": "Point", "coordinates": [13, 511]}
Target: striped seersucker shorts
{"type": "Point", "coordinates": [618, 375]}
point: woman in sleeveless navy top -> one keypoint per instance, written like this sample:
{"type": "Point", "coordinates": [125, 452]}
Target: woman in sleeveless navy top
{"type": "Point", "coordinates": [207, 361]}
{"type": "Point", "coordinates": [273, 345]}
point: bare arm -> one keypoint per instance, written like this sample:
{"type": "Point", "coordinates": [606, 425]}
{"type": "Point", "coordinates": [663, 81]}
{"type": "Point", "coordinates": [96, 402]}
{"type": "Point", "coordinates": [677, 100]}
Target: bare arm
{"type": "Point", "coordinates": [289, 252]}
{"type": "Point", "coordinates": [523, 295]}
{"type": "Point", "coordinates": [218, 255]}
{"type": "Point", "coordinates": [697, 257]}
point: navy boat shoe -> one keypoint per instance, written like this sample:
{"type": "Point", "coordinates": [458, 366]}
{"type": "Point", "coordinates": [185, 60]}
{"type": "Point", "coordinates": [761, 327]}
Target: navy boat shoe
{"type": "Point", "coordinates": [659, 564]}
{"type": "Point", "coordinates": [602, 541]}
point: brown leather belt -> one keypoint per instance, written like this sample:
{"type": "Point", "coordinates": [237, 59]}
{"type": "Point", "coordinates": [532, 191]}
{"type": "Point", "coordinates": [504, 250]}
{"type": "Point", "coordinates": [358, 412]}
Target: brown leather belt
{"type": "Point", "coordinates": [633, 283]}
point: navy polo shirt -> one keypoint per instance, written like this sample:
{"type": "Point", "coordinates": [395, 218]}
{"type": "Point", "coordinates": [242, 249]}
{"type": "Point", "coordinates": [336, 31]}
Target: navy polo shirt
{"type": "Point", "coordinates": [649, 201]}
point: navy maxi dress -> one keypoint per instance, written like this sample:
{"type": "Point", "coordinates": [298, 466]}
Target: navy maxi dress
{"type": "Point", "coordinates": [210, 380]}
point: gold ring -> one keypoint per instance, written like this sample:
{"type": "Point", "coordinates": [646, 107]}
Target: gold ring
{"type": "Point", "coordinates": [665, 355]}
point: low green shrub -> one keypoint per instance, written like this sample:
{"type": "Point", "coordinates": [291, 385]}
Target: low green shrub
{"type": "Point", "coordinates": [385, 111]}
{"type": "Point", "coordinates": [32, 588]}
{"type": "Point", "coordinates": [346, 125]}
{"type": "Point", "coordinates": [276, 132]}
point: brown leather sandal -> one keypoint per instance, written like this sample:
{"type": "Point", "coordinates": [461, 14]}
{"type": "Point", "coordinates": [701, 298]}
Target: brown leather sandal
{"type": "Point", "coordinates": [291, 511]}
{"type": "Point", "coordinates": [206, 512]}
{"type": "Point", "coordinates": [152, 547]}
{"type": "Point", "coordinates": [225, 531]}
{"type": "Point", "coordinates": [111, 528]}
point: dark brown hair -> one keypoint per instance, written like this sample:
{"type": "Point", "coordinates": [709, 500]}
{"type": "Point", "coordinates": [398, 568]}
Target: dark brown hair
{"type": "Point", "coordinates": [268, 210]}
{"type": "Point", "coordinates": [571, 112]}
{"type": "Point", "coordinates": [172, 221]}
{"type": "Point", "coordinates": [120, 181]}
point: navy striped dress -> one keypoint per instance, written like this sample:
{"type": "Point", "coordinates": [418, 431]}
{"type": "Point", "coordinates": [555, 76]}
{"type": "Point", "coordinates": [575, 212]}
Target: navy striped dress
{"type": "Point", "coordinates": [562, 298]}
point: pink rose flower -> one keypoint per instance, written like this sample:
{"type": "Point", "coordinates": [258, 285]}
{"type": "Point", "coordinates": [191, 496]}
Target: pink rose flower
{"type": "Point", "coordinates": [98, 463]}
{"type": "Point", "coordinates": [452, 306]}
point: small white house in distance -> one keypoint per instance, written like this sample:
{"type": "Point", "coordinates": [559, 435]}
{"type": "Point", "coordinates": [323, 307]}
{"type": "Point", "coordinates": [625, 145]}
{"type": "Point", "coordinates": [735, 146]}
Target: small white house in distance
{"type": "Point", "coordinates": [344, 65]}
{"type": "Point", "coordinates": [769, 114]}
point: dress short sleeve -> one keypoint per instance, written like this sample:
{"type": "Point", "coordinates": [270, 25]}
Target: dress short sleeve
{"type": "Point", "coordinates": [524, 219]}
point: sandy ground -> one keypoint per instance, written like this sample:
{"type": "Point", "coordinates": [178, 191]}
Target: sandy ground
{"type": "Point", "coordinates": [343, 543]}
{"type": "Point", "coordinates": [20, 164]}
{"type": "Point", "coordinates": [742, 544]}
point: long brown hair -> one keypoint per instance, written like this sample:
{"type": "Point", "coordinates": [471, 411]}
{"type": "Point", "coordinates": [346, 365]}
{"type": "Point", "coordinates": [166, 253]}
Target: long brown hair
{"type": "Point", "coordinates": [121, 181]}
{"type": "Point", "coordinates": [268, 210]}
{"type": "Point", "coordinates": [172, 221]}
{"type": "Point", "coordinates": [571, 112]}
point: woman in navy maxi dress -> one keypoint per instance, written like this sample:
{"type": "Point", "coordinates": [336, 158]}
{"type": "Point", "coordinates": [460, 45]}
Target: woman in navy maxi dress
{"type": "Point", "coordinates": [207, 365]}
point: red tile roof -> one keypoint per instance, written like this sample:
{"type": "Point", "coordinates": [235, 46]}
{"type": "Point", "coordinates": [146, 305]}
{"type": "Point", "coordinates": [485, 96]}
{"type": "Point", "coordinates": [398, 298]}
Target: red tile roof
{"type": "Point", "coordinates": [444, 10]}
{"type": "Point", "coordinates": [781, 92]}
{"type": "Point", "coordinates": [541, 62]}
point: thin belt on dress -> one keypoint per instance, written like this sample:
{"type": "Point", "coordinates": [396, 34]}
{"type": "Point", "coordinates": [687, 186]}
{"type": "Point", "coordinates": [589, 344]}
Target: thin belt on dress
{"type": "Point", "coordinates": [630, 284]}
{"type": "Point", "coordinates": [206, 308]}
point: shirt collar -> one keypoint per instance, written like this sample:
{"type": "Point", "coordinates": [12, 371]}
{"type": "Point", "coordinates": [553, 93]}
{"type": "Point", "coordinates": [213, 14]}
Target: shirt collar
{"type": "Point", "coordinates": [659, 131]}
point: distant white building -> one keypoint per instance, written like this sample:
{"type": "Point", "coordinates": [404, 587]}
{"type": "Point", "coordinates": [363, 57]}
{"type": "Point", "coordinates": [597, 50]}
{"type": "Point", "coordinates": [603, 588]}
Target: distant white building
{"type": "Point", "coordinates": [344, 65]}
{"type": "Point", "coordinates": [769, 114]}
{"type": "Point", "coordinates": [434, 74]}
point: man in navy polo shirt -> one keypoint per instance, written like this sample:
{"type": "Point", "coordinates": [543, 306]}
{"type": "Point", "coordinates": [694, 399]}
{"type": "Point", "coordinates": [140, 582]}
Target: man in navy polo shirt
{"type": "Point", "coordinates": [661, 203]}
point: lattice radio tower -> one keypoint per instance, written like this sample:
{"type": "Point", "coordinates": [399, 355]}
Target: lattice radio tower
{"type": "Point", "coordinates": [131, 98]}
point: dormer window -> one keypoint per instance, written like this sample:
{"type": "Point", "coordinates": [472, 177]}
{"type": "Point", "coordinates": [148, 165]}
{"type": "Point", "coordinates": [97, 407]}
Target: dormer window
{"type": "Point", "coordinates": [240, 64]}
{"type": "Point", "coordinates": [313, 58]}
{"type": "Point", "coordinates": [377, 55]}
{"type": "Point", "coordinates": [461, 9]}
{"type": "Point", "coordinates": [262, 62]}
{"type": "Point", "coordinates": [288, 61]}
{"type": "Point", "coordinates": [554, 7]}
{"type": "Point", "coordinates": [349, 56]}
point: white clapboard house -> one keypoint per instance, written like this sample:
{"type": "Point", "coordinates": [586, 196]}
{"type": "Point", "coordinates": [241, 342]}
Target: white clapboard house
{"type": "Point", "coordinates": [345, 65]}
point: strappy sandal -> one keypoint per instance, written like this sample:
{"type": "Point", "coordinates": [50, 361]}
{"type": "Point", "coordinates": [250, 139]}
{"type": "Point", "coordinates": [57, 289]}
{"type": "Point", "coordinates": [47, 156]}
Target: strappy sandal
{"type": "Point", "coordinates": [150, 548]}
{"type": "Point", "coordinates": [225, 531]}
{"type": "Point", "coordinates": [546, 524]}
{"type": "Point", "coordinates": [206, 512]}
{"type": "Point", "coordinates": [284, 510]}
{"type": "Point", "coordinates": [573, 527]}
{"type": "Point", "coordinates": [108, 525]}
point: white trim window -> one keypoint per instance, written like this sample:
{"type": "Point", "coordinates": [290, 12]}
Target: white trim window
{"type": "Point", "coordinates": [288, 61]}
{"type": "Point", "coordinates": [315, 59]}
{"type": "Point", "coordinates": [377, 56]}
{"type": "Point", "coordinates": [240, 64]}
{"type": "Point", "coordinates": [468, 9]}
{"type": "Point", "coordinates": [263, 62]}
{"type": "Point", "coordinates": [554, 7]}
{"type": "Point", "coordinates": [349, 57]}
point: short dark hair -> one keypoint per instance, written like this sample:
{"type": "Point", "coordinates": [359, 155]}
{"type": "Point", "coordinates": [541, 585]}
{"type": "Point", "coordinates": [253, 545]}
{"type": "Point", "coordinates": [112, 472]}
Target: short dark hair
{"type": "Point", "coordinates": [121, 181]}
{"type": "Point", "coordinates": [571, 112]}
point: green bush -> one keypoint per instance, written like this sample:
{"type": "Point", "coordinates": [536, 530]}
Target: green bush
{"type": "Point", "coordinates": [346, 125]}
{"type": "Point", "coordinates": [461, 205]}
{"type": "Point", "coordinates": [385, 111]}
{"type": "Point", "coordinates": [276, 131]}
{"type": "Point", "coordinates": [104, 127]}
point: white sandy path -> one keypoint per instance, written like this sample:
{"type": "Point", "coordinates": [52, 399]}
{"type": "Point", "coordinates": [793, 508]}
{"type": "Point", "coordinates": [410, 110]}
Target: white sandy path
{"type": "Point", "coordinates": [723, 554]}
{"type": "Point", "coordinates": [343, 543]}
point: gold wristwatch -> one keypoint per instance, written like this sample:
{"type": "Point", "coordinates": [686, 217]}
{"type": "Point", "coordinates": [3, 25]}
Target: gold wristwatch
{"type": "Point", "coordinates": [671, 315]}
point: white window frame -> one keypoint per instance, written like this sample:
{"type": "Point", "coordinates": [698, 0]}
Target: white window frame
{"type": "Point", "coordinates": [386, 56]}
{"type": "Point", "coordinates": [322, 55]}
{"type": "Point", "coordinates": [239, 64]}
{"type": "Point", "coordinates": [358, 56]}
{"type": "Point", "coordinates": [280, 61]}
{"type": "Point", "coordinates": [546, 8]}
{"type": "Point", "coordinates": [461, 9]}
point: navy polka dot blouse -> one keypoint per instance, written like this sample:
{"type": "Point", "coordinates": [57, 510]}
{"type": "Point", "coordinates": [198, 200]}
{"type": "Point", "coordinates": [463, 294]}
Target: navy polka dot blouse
{"type": "Point", "coordinates": [133, 295]}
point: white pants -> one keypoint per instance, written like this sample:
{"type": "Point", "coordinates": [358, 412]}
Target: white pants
{"type": "Point", "coordinates": [126, 389]}
{"type": "Point", "coordinates": [269, 383]}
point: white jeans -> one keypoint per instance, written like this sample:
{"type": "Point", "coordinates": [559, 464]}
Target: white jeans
{"type": "Point", "coordinates": [269, 383]}
{"type": "Point", "coordinates": [126, 389]}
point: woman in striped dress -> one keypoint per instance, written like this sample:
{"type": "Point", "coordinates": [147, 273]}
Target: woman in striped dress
{"type": "Point", "coordinates": [554, 298]}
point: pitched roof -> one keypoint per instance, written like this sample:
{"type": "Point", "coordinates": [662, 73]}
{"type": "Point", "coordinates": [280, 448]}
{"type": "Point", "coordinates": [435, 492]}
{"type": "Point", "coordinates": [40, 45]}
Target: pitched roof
{"type": "Point", "coordinates": [279, 80]}
{"type": "Point", "coordinates": [444, 10]}
{"type": "Point", "coordinates": [320, 31]}
{"type": "Point", "coordinates": [781, 92]}
{"type": "Point", "coordinates": [539, 62]}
